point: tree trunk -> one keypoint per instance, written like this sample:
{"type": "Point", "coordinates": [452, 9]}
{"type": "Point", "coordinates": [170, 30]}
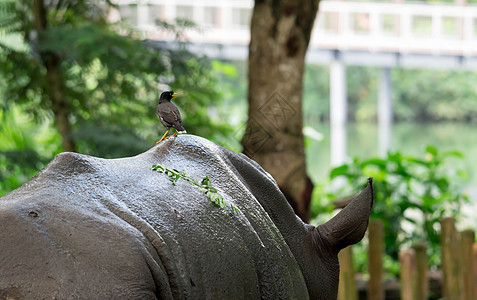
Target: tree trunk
{"type": "Point", "coordinates": [56, 91]}
{"type": "Point", "coordinates": [280, 34]}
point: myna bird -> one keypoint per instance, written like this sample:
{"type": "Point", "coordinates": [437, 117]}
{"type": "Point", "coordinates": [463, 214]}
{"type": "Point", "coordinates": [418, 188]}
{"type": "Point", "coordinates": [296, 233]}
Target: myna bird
{"type": "Point", "coordinates": [169, 114]}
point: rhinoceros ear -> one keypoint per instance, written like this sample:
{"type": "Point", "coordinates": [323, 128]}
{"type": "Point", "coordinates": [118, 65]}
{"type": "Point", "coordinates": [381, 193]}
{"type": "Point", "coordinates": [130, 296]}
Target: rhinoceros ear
{"type": "Point", "coordinates": [349, 225]}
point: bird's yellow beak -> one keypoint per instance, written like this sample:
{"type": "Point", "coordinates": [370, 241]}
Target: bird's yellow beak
{"type": "Point", "coordinates": [174, 95]}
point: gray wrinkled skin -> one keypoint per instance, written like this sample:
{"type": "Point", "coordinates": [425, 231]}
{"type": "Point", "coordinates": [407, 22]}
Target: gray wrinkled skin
{"type": "Point", "coordinates": [92, 228]}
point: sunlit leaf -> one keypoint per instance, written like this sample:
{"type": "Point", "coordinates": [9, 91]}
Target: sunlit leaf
{"type": "Point", "coordinates": [432, 150]}
{"type": "Point", "coordinates": [338, 171]}
{"type": "Point", "coordinates": [453, 153]}
{"type": "Point", "coordinates": [381, 163]}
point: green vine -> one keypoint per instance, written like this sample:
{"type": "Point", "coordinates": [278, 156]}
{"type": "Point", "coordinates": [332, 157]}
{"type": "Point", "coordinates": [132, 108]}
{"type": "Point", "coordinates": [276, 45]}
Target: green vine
{"type": "Point", "coordinates": [204, 186]}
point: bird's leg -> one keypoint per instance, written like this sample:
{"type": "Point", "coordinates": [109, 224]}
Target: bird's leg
{"type": "Point", "coordinates": [163, 137]}
{"type": "Point", "coordinates": [175, 132]}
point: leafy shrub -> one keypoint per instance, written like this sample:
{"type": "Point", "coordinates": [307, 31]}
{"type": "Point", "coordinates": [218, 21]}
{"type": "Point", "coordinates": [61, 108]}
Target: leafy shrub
{"type": "Point", "coordinates": [411, 195]}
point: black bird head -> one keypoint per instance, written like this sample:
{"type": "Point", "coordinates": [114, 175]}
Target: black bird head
{"type": "Point", "coordinates": [167, 96]}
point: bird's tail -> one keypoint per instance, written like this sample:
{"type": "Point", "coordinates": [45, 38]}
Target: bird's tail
{"type": "Point", "coordinates": [180, 128]}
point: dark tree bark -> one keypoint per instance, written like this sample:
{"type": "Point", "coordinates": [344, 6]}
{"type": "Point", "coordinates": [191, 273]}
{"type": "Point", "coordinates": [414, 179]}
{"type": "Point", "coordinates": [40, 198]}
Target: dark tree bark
{"type": "Point", "coordinates": [280, 34]}
{"type": "Point", "coordinates": [54, 77]}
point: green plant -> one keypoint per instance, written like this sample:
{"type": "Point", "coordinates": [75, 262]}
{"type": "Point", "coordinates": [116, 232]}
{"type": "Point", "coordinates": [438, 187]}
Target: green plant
{"type": "Point", "coordinates": [109, 77]}
{"type": "Point", "coordinates": [411, 195]}
{"type": "Point", "coordinates": [204, 186]}
{"type": "Point", "coordinates": [25, 147]}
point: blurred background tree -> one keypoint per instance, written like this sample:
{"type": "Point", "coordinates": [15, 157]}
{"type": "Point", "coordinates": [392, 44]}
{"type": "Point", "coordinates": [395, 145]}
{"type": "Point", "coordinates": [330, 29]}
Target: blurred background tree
{"type": "Point", "coordinates": [415, 96]}
{"type": "Point", "coordinates": [279, 36]}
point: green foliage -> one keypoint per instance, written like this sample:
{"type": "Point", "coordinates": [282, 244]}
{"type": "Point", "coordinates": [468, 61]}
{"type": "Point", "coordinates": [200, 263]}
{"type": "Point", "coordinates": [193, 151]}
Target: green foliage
{"type": "Point", "coordinates": [418, 95]}
{"type": "Point", "coordinates": [412, 194]}
{"type": "Point", "coordinates": [320, 206]}
{"type": "Point", "coordinates": [435, 95]}
{"type": "Point", "coordinates": [110, 77]}
{"type": "Point", "coordinates": [316, 89]}
{"type": "Point", "coordinates": [204, 186]}
{"type": "Point", "coordinates": [25, 147]}
{"type": "Point", "coordinates": [361, 89]}
{"type": "Point", "coordinates": [232, 85]}
{"type": "Point", "coordinates": [361, 261]}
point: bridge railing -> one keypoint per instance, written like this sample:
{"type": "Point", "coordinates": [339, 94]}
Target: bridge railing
{"type": "Point", "coordinates": [342, 25]}
{"type": "Point", "coordinates": [397, 27]}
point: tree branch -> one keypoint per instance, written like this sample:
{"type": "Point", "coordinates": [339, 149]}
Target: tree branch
{"type": "Point", "coordinates": [56, 90]}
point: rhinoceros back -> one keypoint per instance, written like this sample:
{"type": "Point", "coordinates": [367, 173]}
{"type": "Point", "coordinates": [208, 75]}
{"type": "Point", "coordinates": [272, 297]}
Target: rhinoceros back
{"type": "Point", "coordinates": [92, 228]}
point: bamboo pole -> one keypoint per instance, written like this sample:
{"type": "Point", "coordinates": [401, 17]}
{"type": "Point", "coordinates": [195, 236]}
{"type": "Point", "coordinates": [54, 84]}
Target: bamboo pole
{"type": "Point", "coordinates": [407, 272]}
{"type": "Point", "coordinates": [347, 286]}
{"type": "Point", "coordinates": [375, 260]}
{"type": "Point", "coordinates": [474, 275]}
{"type": "Point", "coordinates": [451, 266]}
{"type": "Point", "coordinates": [422, 287]}
{"type": "Point", "coordinates": [467, 238]}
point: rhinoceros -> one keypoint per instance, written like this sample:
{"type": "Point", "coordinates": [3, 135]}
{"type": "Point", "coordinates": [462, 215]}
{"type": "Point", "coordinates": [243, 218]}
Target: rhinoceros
{"type": "Point", "coordinates": [92, 228]}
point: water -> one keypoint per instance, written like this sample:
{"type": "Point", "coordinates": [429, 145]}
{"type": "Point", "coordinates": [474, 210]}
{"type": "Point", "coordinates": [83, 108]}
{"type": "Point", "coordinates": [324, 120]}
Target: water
{"type": "Point", "coordinates": [408, 138]}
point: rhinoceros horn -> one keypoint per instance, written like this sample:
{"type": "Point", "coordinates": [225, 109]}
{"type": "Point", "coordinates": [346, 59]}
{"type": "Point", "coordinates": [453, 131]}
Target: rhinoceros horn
{"type": "Point", "coordinates": [346, 228]}
{"type": "Point", "coordinates": [349, 225]}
